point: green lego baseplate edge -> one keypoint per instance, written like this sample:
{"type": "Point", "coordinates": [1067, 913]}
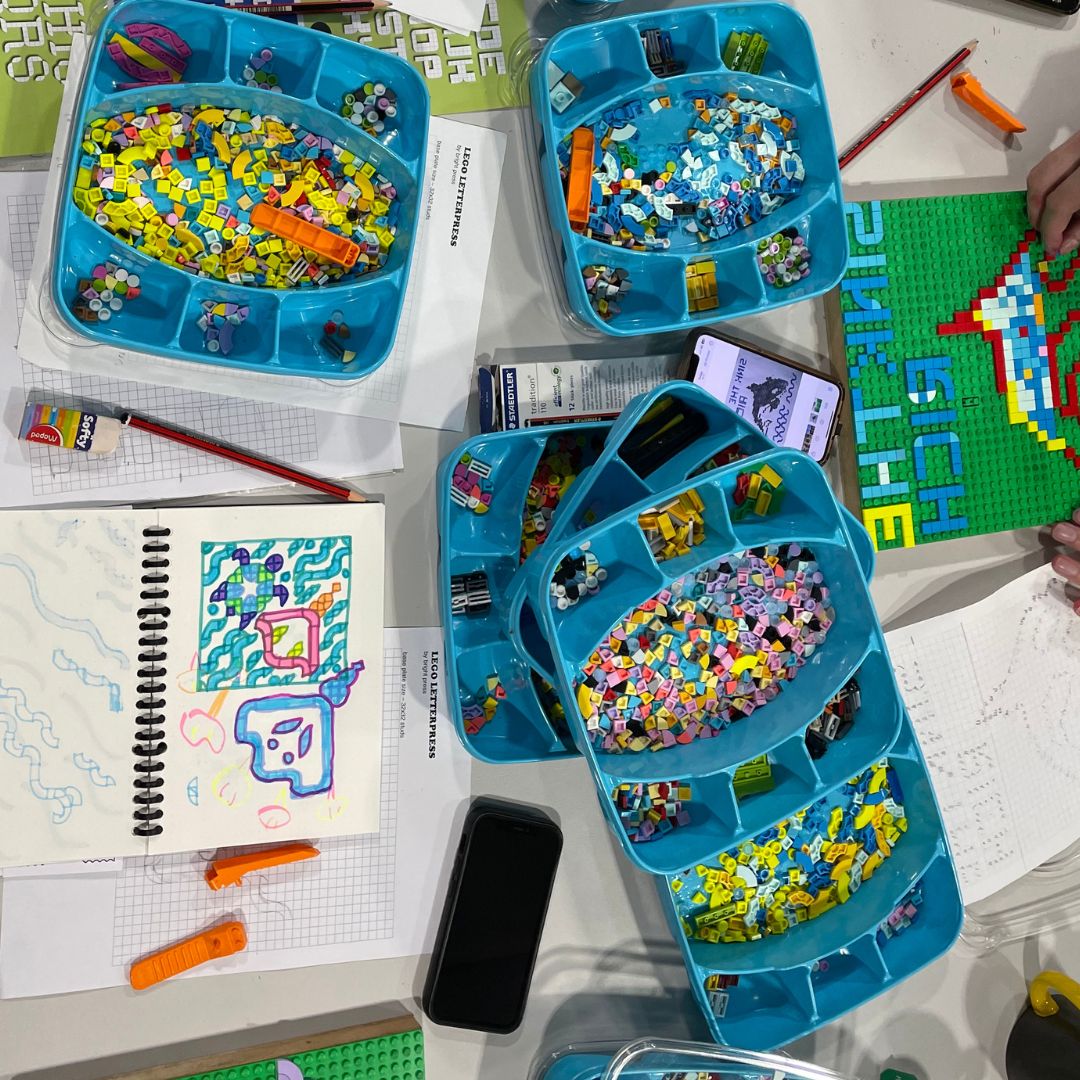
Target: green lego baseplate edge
{"type": "Point", "coordinates": [959, 353]}
{"type": "Point", "coordinates": [390, 1057]}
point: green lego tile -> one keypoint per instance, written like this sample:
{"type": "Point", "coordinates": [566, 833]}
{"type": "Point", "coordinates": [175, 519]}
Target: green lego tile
{"type": "Point", "coordinates": [895, 1074]}
{"type": "Point", "coordinates": [392, 1057]}
{"type": "Point", "coordinates": [963, 396]}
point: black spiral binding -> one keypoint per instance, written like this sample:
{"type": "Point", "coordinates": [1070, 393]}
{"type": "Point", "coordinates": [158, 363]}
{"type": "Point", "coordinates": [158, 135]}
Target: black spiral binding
{"type": "Point", "coordinates": [153, 640]}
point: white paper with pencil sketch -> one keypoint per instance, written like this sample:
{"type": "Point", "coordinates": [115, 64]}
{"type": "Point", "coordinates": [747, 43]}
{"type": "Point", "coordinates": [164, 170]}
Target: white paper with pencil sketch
{"type": "Point", "coordinates": [993, 691]}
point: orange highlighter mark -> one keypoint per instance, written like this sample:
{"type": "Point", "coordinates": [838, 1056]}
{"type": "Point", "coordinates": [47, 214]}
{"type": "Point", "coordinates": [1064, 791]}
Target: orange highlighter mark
{"type": "Point", "coordinates": [332, 247]}
{"type": "Point", "coordinates": [970, 91]}
{"type": "Point", "coordinates": [225, 872]}
{"type": "Point", "coordinates": [222, 940]}
{"type": "Point", "coordinates": [579, 183]}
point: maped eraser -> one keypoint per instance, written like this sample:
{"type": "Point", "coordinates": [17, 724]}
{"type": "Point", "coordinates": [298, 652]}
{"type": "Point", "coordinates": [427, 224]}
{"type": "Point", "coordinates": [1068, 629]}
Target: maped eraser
{"type": "Point", "coordinates": [72, 429]}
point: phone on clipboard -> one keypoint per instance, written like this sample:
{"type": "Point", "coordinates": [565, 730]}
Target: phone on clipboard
{"type": "Point", "coordinates": [789, 403]}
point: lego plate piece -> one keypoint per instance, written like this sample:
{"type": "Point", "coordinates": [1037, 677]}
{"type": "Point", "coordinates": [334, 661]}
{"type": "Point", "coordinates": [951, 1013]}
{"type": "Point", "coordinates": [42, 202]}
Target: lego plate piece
{"type": "Point", "coordinates": [956, 335]}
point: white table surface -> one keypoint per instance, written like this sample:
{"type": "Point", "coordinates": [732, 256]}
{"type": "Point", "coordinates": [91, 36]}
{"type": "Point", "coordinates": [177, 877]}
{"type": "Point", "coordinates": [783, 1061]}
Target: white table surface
{"type": "Point", "coordinates": [608, 968]}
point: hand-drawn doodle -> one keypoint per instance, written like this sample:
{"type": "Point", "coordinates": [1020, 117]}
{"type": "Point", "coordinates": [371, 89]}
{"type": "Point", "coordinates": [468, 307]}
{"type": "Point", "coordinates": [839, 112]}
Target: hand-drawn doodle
{"type": "Point", "coordinates": [63, 662]}
{"type": "Point", "coordinates": [250, 587]}
{"type": "Point", "coordinates": [117, 537]}
{"type": "Point", "coordinates": [113, 599]}
{"type": "Point", "coordinates": [98, 776]}
{"type": "Point", "coordinates": [292, 735]}
{"type": "Point", "coordinates": [274, 817]}
{"type": "Point", "coordinates": [193, 791]}
{"type": "Point", "coordinates": [18, 704]}
{"type": "Point", "coordinates": [232, 785]}
{"type": "Point", "coordinates": [273, 612]}
{"type": "Point", "coordinates": [79, 626]}
{"type": "Point", "coordinates": [199, 726]}
{"type": "Point", "coordinates": [67, 531]}
{"type": "Point", "coordinates": [113, 575]}
{"type": "Point", "coordinates": [65, 799]}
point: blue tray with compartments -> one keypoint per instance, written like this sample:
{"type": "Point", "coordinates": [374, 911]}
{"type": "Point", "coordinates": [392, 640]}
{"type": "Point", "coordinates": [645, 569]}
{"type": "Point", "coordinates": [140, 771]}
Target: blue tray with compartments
{"type": "Point", "coordinates": [610, 61]}
{"type": "Point", "coordinates": [283, 332]}
{"type": "Point", "coordinates": [789, 985]}
{"type": "Point", "coordinates": [504, 640]}
{"type": "Point", "coordinates": [854, 647]}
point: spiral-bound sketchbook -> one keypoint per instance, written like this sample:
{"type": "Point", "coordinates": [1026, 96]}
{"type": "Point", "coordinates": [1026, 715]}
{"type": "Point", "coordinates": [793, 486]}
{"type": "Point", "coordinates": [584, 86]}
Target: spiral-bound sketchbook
{"type": "Point", "coordinates": [185, 679]}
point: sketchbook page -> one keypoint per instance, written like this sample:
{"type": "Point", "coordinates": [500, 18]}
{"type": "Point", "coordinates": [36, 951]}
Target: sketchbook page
{"type": "Point", "coordinates": [992, 691]}
{"type": "Point", "coordinates": [69, 583]}
{"type": "Point", "coordinates": [275, 673]}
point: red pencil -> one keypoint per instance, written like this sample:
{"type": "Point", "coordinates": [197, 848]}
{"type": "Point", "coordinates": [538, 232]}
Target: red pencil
{"type": "Point", "coordinates": [913, 99]}
{"type": "Point", "coordinates": [242, 457]}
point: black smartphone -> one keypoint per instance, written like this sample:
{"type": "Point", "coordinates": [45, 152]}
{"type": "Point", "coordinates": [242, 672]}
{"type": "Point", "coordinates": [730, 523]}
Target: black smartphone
{"type": "Point", "coordinates": [494, 915]}
{"type": "Point", "coordinates": [789, 403]}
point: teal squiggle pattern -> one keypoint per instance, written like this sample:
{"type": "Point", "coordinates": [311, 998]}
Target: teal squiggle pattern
{"type": "Point", "coordinates": [63, 622]}
{"type": "Point", "coordinates": [64, 798]}
{"type": "Point", "coordinates": [63, 662]}
{"type": "Point", "coordinates": [24, 714]}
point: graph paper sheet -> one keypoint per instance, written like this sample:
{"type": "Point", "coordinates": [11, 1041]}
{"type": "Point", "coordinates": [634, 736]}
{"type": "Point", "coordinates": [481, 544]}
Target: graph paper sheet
{"type": "Point", "coordinates": [992, 690]}
{"type": "Point", "coordinates": [425, 380]}
{"type": "Point", "coordinates": [146, 467]}
{"type": "Point", "coordinates": [363, 898]}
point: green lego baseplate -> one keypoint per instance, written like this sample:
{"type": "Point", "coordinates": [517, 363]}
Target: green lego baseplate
{"type": "Point", "coordinates": [391, 1057]}
{"type": "Point", "coordinates": [962, 368]}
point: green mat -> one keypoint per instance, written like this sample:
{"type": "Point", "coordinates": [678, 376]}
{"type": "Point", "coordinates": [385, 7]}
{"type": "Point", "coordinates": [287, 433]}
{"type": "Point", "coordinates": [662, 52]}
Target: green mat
{"type": "Point", "coordinates": [392, 1057]}
{"type": "Point", "coordinates": [961, 367]}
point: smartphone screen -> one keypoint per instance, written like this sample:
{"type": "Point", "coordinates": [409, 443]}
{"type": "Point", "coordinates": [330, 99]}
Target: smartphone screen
{"type": "Point", "coordinates": [793, 408]}
{"type": "Point", "coordinates": [484, 960]}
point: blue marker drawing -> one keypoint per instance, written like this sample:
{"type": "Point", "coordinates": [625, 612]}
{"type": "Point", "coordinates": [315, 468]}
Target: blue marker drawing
{"type": "Point", "coordinates": [108, 567]}
{"type": "Point", "coordinates": [116, 537]}
{"type": "Point", "coordinates": [66, 532]}
{"type": "Point", "coordinates": [115, 600]}
{"type": "Point", "coordinates": [193, 791]}
{"type": "Point", "coordinates": [98, 776]}
{"type": "Point", "coordinates": [20, 707]}
{"type": "Point", "coordinates": [79, 626]}
{"type": "Point", "coordinates": [63, 662]}
{"type": "Point", "coordinates": [65, 798]}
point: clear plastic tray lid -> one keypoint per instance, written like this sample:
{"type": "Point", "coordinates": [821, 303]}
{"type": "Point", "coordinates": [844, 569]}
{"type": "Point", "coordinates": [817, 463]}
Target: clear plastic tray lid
{"type": "Point", "coordinates": [678, 1060]}
{"type": "Point", "coordinates": [1045, 899]}
{"type": "Point", "coordinates": [666, 1059]}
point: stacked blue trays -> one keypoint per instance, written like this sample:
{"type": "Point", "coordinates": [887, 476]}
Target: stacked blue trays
{"type": "Point", "coordinates": [789, 984]}
{"type": "Point", "coordinates": [609, 60]}
{"type": "Point", "coordinates": [283, 330]}
{"type": "Point", "coordinates": [506, 639]}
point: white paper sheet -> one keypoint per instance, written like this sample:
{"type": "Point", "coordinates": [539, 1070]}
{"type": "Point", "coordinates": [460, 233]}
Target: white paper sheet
{"type": "Point", "coordinates": [465, 16]}
{"type": "Point", "coordinates": [145, 467]}
{"type": "Point", "coordinates": [363, 898]}
{"type": "Point", "coordinates": [992, 690]}
{"type": "Point", "coordinates": [425, 380]}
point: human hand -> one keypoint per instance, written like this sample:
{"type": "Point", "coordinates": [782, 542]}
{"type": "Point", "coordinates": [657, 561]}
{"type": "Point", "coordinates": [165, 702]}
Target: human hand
{"type": "Point", "coordinates": [1053, 198]}
{"type": "Point", "coordinates": [1066, 566]}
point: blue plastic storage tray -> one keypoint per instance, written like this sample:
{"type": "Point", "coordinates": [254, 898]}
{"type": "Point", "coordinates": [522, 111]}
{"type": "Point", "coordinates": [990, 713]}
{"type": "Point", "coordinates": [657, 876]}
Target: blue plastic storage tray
{"type": "Point", "coordinates": [609, 60]}
{"type": "Point", "coordinates": [854, 646]}
{"type": "Point", "coordinates": [784, 991]}
{"type": "Point", "coordinates": [499, 641]}
{"type": "Point", "coordinates": [284, 328]}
